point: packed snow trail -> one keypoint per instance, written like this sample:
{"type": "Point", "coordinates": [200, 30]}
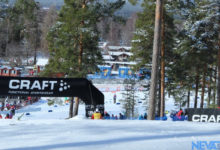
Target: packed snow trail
{"type": "Point", "coordinates": [43, 130]}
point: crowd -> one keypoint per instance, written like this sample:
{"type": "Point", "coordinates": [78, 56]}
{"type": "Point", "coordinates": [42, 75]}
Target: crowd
{"type": "Point", "coordinates": [107, 116]}
{"type": "Point", "coordinates": [10, 114]}
{"type": "Point", "coordinates": [9, 108]}
{"type": "Point", "coordinates": [176, 116]}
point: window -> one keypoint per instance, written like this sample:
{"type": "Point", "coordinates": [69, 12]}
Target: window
{"type": "Point", "coordinates": [13, 72]}
{"type": "Point", "coordinates": [5, 71]}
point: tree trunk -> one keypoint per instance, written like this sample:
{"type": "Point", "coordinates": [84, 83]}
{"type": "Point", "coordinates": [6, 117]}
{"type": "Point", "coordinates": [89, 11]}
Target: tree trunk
{"type": "Point", "coordinates": [35, 56]}
{"type": "Point", "coordinates": [162, 70]}
{"type": "Point", "coordinates": [218, 91]}
{"type": "Point", "coordinates": [215, 82]}
{"type": "Point", "coordinates": [203, 87]}
{"type": "Point", "coordinates": [197, 88]}
{"type": "Point", "coordinates": [71, 107]}
{"type": "Point", "coordinates": [158, 99]}
{"type": "Point", "coordinates": [188, 98]}
{"type": "Point", "coordinates": [209, 89]}
{"type": "Point", "coordinates": [76, 107]}
{"type": "Point", "coordinates": [156, 49]}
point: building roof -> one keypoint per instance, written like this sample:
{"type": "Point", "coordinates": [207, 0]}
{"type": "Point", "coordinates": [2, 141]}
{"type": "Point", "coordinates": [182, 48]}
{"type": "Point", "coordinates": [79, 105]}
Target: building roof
{"type": "Point", "coordinates": [42, 61]}
{"type": "Point", "coordinates": [120, 53]}
{"type": "Point", "coordinates": [121, 62]}
{"type": "Point", "coordinates": [119, 47]}
{"type": "Point", "coordinates": [107, 57]}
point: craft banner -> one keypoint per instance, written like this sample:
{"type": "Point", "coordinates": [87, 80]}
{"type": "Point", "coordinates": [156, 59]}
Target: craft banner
{"type": "Point", "coordinates": [203, 115]}
{"type": "Point", "coordinates": [51, 87]}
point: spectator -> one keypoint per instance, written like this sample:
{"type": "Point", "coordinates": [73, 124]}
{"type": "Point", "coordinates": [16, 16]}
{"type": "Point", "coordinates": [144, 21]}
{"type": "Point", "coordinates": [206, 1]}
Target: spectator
{"type": "Point", "coordinates": [7, 116]}
{"type": "Point", "coordinates": [0, 116]}
{"type": "Point", "coordinates": [145, 115]}
{"type": "Point", "coordinates": [180, 113]}
{"type": "Point", "coordinates": [8, 106]}
{"type": "Point", "coordinates": [121, 116]}
{"type": "Point", "coordinates": [106, 115]}
{"type": "Point", "coordinates": [97, 115]}
{"type": "Point", "coordinates": [113, 117]}
{"type": "Point", "coordinates": [141, 117]}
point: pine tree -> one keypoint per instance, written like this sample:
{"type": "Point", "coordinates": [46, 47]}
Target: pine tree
{"type": "Point", "coordinates": [73, 40]}
{"type": "Point", "coordinates": [129, 98]}
{"type": "Point", "coordinates": [142, 43]}
{"type": "Point", "coordinates": [196, 49]}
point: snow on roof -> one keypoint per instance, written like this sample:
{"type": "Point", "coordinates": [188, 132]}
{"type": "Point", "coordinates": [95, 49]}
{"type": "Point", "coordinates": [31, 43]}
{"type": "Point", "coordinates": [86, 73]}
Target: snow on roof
{"type": "Point", "coordinates": [42, 61]}
{"type": "Point", "coordinates": [121, 62]}
{"type": "Point", "coordinates": [120, 53]}
{"type": "Point", "coordinates": [107, 66]}
{"type": "Point", "coordinates": [103, 44]}
{"type": "Point", "coordinates": [45, 8]}
{"type": "Point", "coordinates": [119, 47]}
{"type": "Point", "coordinates": [107, 57]}
{"type": "Point", "coordinates": [17, 68]}
{"type": "Point", "coordinates": [5, 67]}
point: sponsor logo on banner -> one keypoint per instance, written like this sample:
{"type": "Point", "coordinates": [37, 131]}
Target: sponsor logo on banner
{"type": "Point", "coordinates": [34, 87]}
{"type": "Point", "coordinates": [203, 115]}
{"type": "Point", "coordinates": [206, 145]}
{"type": "Point", "coordinates": [205, 118]}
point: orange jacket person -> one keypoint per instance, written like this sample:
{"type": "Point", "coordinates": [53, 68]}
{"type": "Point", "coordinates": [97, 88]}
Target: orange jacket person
{"type": "Point", "coordinates": [180, 113]}
{"type": "Point", "coordinates": [97, 115]}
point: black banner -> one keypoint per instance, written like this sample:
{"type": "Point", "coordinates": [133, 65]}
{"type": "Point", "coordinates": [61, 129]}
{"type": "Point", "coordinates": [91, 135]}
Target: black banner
{"type": "Point", "coordinates": [51, 87]}
{"type": "Point", "coordinates": [203, 115]}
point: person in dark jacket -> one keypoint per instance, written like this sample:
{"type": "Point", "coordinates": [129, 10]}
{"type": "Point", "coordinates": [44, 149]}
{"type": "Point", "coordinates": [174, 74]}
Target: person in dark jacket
{"type": "Point", "coordinates": [121, 117]}
{"type": "Point", "coordinates": [145, 115]}
{"type": "Point", "coordinates": [106, 115]}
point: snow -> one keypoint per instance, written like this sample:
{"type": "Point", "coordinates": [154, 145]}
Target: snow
{"type": "Point", "coordinates": [42, 61]}
{"type": "Point", "coordinates": [43, 130]}
{"type": "Point", "coordinates": [119, 47]}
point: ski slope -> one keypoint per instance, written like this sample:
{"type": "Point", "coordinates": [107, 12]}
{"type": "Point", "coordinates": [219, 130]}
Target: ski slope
{"type": "Point", "coordinates": [43, 130]}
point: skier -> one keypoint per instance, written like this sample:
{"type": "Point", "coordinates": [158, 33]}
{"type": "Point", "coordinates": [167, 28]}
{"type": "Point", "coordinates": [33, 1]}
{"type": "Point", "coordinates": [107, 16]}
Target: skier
{"type": "Point", "coordinates": [11, 114]}
{"type": "Point", "coordinates": [114, 98]}
{"type": "Point", "coordinates": [13, 110]}
{"type": "Point", "coordinates": [0, 116]}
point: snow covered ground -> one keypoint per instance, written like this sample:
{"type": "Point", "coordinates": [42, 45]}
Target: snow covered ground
{"type": "Point", "coordinates": [43, 130]}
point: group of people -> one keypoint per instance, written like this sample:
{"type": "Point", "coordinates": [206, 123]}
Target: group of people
{"type": "Point", "coordinates": [143, 117]}
{"type": "Point", "coordinates": [8, 115]}
{"type": "Point", "coordinates": [98, 115]}
{"type": "Point", "coordinates": [180, 115]}
{"type": "Point", "coordinates": [11, 113]}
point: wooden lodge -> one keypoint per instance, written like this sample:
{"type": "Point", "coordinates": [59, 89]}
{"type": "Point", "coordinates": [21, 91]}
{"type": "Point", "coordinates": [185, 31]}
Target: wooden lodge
{"type": "Point", "coordinates": [9, 71]}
